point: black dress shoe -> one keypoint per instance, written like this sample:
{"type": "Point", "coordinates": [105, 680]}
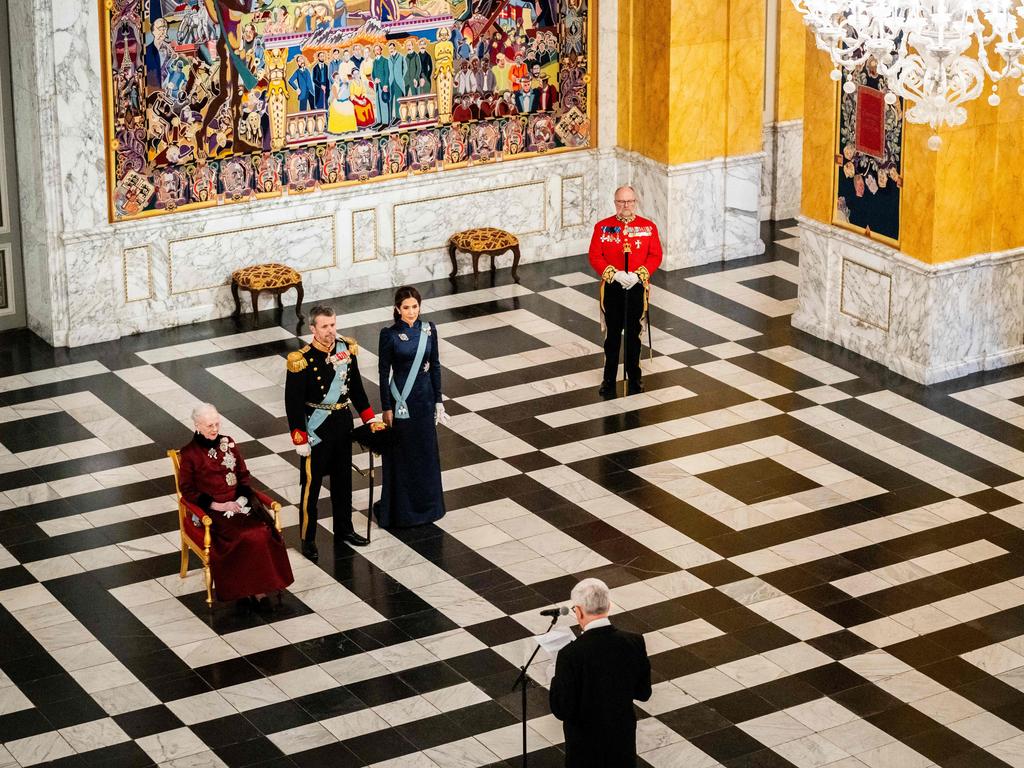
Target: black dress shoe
{"type": "Point", "coordinates": [607, 389]}
{"type": "Point", "coordinates": [263, 605]}
{"type": "Point", "coordinates": [309, 551]}
{"type": "Point", "coordinates": [635, 387]}
{"type": "Point", "coordinates": [244, 605]}
{"type": "Point", "coordinates": [355, 539]}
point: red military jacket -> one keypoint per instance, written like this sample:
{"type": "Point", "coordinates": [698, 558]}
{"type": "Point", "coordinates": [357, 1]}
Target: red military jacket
{"type": "Point", "coordinates": [609, 243]}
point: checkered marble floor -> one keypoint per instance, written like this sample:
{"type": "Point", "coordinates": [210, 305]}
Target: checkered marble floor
{"type": "Point", "coordinates": [826, 560]}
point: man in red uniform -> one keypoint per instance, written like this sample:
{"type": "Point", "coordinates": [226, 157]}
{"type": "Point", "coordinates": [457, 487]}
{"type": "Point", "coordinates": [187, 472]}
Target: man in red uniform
{"type": "Point", "coordinates": [624, 251]}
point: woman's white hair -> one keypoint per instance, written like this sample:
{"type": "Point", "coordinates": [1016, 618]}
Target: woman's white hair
{"type": "Point", "coordinates": [591, 595]}
{"type": "Point", "coordinates": [201, 410]}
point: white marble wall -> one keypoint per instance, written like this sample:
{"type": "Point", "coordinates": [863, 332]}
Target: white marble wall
{"type": "Point", "coordinates": [706, 211]}
{"type": "Point", "coordinates": [926, 322]}
{"type": "Point", "coordinates": [783, 163]}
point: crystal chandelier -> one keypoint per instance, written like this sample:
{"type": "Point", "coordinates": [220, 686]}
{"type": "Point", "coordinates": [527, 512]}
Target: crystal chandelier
{"type": "Point", "coordinates": [935, 54]}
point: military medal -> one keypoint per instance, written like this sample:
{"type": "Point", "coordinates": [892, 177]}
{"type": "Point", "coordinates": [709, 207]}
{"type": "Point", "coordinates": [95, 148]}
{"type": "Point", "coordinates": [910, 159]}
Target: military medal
{"type": "Point", "coordinates": [230, 478]}
{"type": "Point", "coordinates": [402, 411]}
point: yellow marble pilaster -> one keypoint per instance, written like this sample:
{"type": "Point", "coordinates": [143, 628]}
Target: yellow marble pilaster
{"type": "Point", "coordinates": [819, 136]}
{"type": "Point", "coordinates": [789, 68]}
{"type": "Point", "coordinates": [691, 78]}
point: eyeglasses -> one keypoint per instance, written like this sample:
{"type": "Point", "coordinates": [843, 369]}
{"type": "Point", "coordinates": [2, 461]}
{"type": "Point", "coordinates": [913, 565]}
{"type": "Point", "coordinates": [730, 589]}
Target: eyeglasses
{"type": "Point", "coordinates": [626, 202]}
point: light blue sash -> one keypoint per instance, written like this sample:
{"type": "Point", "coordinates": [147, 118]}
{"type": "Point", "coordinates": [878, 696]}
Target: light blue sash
{"type": "Point", "coordinates": [337, 389]}
{"type": "Point", "coordinates": [401, 408]}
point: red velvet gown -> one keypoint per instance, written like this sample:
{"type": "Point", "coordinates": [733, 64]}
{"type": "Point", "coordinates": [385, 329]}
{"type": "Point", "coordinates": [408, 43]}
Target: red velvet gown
{"type": "Point", "coordinates": [247, 555]}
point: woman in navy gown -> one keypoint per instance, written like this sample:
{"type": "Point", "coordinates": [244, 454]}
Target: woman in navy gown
{"type": "Point", "coordinates": [410, 396]}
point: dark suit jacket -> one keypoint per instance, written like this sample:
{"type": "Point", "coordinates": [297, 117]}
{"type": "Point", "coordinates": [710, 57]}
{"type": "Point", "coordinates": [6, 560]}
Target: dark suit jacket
{"type": "Point", "coordinates": [597, 677]}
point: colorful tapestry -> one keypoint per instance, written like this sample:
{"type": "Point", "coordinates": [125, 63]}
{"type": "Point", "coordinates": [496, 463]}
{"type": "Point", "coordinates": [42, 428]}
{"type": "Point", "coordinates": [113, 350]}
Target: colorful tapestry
{"type": "Point", "coordinates": [219, 101]}
{"type": "Point", "coordinates": [869, 158]}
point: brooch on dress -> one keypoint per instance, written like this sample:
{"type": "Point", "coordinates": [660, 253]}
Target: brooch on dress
{"type": "Point", "coordinates": [403, 337]}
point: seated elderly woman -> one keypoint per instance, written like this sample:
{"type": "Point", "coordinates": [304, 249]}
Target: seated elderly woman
{"type": "Point", "coordinates": [247, 555]}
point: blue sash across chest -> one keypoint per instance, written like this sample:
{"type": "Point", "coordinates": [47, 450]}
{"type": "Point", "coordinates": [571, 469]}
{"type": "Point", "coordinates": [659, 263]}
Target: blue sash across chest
{"type": "Point", "coordinates": [401, 407]}
{"type": "Point", "coordinates": [338, 388]}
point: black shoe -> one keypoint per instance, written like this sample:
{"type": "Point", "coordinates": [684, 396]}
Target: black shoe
{"type": "Point", "coordinates": [244, 605]}
{"type": "Point", "coordinates": [355, 539]}
{"type": "Point", "coordinates": [635, 387]}
{"type": "Point", "coordinates": [607, 389]}
{"type": "Point", "coordinates": [263, 605]}
{"type": "Point", "coordinates": [309, 551]}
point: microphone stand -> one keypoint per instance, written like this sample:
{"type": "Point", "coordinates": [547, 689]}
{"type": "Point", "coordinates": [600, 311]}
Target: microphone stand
{"type": "Point", "coordinates": [526, 681]}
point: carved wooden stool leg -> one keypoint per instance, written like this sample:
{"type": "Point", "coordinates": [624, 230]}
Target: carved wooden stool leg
{"type": "Point", "coordinates": [255, 305]}
{"type": "Point", "coordinates": [234, 293]}
{"type": "Point", "coordinates": [455, 264]}
{"type": "Point", "coordinates": [277, 296]}
{"type": "Point", "coordinates": [298, 301]}
{"type": "Point", "coordinates": [476, 263]}
{"type": "Point", "coordinates": [515, 263]}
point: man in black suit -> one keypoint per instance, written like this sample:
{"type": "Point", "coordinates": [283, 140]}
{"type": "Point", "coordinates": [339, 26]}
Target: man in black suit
{"type": "Point", "coordinates": [597, 677]}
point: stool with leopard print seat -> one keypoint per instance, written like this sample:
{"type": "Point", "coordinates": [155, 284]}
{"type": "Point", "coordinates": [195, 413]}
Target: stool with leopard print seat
{"type": "Point", "coordinates": [274, 279]}
{"type": "Point", "coordinates": [481, 241]}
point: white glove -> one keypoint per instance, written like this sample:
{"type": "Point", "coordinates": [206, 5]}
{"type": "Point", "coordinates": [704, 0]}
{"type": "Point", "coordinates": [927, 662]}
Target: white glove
{"type": "Point", "coordinates": [633, 280]}
{"type": "Point", "coordinates": [440, 417]}
{"type": "Point", "coordinates": [622, 278]}
{"type": "Point", "coordinates": [302, 450]}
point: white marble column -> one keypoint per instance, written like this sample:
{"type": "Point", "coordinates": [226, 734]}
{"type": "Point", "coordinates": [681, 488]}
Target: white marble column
{"type": "Point", "coordinates": [927, 322]}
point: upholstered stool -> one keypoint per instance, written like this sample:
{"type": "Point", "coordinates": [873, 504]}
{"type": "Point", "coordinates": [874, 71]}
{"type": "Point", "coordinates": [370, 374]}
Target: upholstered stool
{"type": "Point", "coordinates": [484, 240]}
{"type": "Point", "coordinates": [274, 279]}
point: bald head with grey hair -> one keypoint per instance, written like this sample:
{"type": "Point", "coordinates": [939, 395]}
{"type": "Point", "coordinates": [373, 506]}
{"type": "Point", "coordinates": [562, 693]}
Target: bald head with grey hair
{"type": "Point", "coordinates": [592, 598]}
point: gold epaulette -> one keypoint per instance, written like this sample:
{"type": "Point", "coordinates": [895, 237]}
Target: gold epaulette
{"type": "Point", "coordinates": [297, 360]}
{"type": "Point", "coordinates": [352, 344]}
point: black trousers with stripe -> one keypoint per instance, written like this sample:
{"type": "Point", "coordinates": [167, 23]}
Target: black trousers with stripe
{"type": "Point", "coordinates": [622, 308]}
{"type": "Point", "coordinates": [331, 458]}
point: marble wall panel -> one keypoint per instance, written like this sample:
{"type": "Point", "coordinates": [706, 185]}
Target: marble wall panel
{"type": "Point", "coordinates": [198, 263]}
{"type": "Point", "coordinates": [138, 274]}
{"type": "Point", "coordinates": [426, 224]}
{"type": "Point", "coordinates": [865, 294]}
{"type": "Point", "coordinates": [364, 235]}
{"type": "Point", "coordinates": [572, 208]}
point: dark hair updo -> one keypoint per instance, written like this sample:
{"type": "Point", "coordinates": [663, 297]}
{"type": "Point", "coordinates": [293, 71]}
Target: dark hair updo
{"type": "Point", "coordinates": [403, 293]}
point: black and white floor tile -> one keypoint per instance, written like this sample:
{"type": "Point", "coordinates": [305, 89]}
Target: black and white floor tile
{"type": "Point", "coordinates": [827, 560]}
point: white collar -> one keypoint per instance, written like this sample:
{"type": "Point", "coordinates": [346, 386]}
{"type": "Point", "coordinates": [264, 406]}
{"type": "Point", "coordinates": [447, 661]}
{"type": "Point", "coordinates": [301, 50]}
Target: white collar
{"type": "Point", "coordinates": [596, 623]}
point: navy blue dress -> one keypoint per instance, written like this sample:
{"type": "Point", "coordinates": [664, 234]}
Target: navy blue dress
{"type": "Point", "coordinates": [411, 491]}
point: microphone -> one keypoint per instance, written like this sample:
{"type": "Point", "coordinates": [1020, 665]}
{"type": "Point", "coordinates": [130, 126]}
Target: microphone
{"type": "Point", "coordinates": [553, 612]}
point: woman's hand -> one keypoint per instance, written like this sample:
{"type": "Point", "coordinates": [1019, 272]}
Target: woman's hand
{"type": "Point", "coordinates": [389, 418]}
{"type": "Point", "coordinates": [225, 506]}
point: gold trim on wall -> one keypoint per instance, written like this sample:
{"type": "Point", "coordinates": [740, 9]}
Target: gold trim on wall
{"type": "Point", "coordinates": [239, 230]}
{"type": "Point", "coordinates": [842, 295]}
{"type": "Point", "coordinates": [583, 189]}
{"type": "Point", "coordinates": [376, 236]}
{"type": "Point", "coordinates": [149, 272]}
{"type": "Point", "coordinates": [441, 246]}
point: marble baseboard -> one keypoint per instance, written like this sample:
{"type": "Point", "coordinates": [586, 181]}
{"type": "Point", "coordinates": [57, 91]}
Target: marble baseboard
{"type": "Point", "coordinates": [781, 180]}
{"type": "Point", "coordinates": [929, 323]}
{"type": "Point", "coordinates": [706, 211]}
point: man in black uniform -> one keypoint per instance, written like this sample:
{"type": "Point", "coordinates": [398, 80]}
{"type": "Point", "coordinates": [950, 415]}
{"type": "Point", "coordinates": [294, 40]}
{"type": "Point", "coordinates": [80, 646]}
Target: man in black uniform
{"type": "Point", "coordinates": [323, 378]}
{"type": "Point", "coordinates": [597, 677]}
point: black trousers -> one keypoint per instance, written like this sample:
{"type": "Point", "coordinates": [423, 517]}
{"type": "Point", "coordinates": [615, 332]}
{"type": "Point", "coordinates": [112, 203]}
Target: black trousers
{"type": "Point", "coordinates": [622, 307]}
{"type": "Point", "coordinates": [331, 458]}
